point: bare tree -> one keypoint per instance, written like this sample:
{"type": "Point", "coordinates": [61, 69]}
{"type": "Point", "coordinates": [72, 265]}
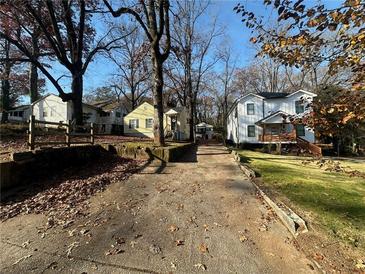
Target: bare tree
{"type": "Point", "coordinates": [154, 20]}
{"type": "Point", "coordinates": [191, 46]}
{"type": "Point", "coordinates": [65, 26]}
{"type": "Point", "coordinates": [134, 71]}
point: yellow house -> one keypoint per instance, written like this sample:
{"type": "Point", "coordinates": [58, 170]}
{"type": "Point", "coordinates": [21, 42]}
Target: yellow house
{"type": "Point", "coordinates": [139, 122]}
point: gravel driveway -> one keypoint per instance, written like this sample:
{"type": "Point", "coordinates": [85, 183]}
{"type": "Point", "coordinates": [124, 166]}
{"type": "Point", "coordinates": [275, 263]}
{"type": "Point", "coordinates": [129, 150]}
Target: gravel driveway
{"type": "Point", "coordinates": [198, 215]}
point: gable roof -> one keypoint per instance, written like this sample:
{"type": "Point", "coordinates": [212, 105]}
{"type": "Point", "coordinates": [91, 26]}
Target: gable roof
{"type": "Point", "coordinates": [138, 108]}
{"type": "Point", "coordinates": [175, 110]}
{"type": "Point", "coordinates": [304, 91]}
{"type": "Point", "coordinates": [272, 115]}
{"type": "Point", "coordinates": [241, 98]}
{"type": "Point", "coordinates": [203, 124]}
{"type": "Point", "coordinates": [42, 98]}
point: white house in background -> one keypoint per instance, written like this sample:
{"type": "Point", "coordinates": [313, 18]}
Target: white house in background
{"type": "Point", "coordinates": [177, 125]}
{"type": "Point", "coordinates": [19, 114]}
{"type": "Point", "coordinates": [260, 118]}
{"type": "Point", "coordinates": [107, 116]}
{"type": "Point", "coordinates": [204, 131]}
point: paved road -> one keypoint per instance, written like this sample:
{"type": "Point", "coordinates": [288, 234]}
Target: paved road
{"type": "Point", "coordinates": [184, 217]}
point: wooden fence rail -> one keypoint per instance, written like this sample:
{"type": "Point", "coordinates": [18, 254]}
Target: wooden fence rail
{"type": "Point", "coordinates": [68, 134]}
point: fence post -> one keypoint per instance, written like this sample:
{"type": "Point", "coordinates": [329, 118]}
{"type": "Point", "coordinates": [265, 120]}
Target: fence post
{"type": "Point", "coordinates": [68, 131]}
{"type": "Point", "coordinates": [31, 132]}
{"type": "Point", "coordinates": [92, 133]}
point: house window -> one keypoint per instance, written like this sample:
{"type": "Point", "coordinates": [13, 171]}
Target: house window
{"type": "Point", "coordinates": [45, 114]}
{"type": "Point", "coordinates": [118, 114]}
{"type": "Point", "coordinates": [300, 130]}
{"type": "Point", "coordinates": [250, 109]}
{"type": "Point", "coordinates": [299, 107]}
{"type": "Point", "coordinates": [133, 123]}
{"type": "Point", "coordinates": [235, 113]}
{"type": "Point", "coordinates": [251, 131]}
{"type": "Point", "coordinates": [104, 114]}
{"type": "Point", "coordinates": [149, 122]}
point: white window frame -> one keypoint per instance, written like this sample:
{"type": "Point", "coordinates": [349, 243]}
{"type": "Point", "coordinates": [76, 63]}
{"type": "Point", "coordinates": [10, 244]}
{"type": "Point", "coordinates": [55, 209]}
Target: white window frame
{"type": "Point", "coordinates": [133, 123]}
{"type": "Point", "coordinates": [149, 122]}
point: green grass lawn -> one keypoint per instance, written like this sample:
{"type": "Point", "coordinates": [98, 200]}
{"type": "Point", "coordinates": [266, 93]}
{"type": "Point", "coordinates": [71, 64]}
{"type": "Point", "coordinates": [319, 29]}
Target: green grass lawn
{"type": "Point", "coordinates": [335, 198]}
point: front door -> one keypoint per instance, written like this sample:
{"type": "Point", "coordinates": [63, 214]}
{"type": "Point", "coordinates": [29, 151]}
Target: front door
{"type": "Point", "coordinates": [173, 123]}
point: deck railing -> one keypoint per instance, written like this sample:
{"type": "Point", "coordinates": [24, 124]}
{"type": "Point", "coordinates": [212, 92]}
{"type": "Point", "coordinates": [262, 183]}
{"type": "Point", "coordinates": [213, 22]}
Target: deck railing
{"type": "Point", "coordinates": [304, 144]}
{"type": "Point", "coordinates": [284, 137]}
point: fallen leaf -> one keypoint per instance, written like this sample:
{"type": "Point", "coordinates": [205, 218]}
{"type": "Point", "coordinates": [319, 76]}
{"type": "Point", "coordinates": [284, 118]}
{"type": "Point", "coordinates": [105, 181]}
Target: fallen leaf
{"type": "Point", "coordinates": [360, 264]}
{"type": "Point", "coordinates": [203, 248]}
{"type": "Point", "coordinates": [114, 251]}
{"type": "Point", "coordinates": [120, 240]}
{"type": "Point", "coordinates": [71, 247]}
{"type": "Point", "coordinates": [133, 243]}
{"type": "Point", "coordinates": [71, 232]}
{"type": "Point", "coordinates": [201, 266]}
{"type": "Point", "coordinates": [173, 265]}
{"type": "Point", "coordinates": [173, 228]}
{"type": "Point", "coordinates": [84, 231]}
{"type": "Point", "coordinates": [25, 244]}
{"type": "Point", "coordinates": [179, 242]}
{"type": "Point", "coordinates": [318, 257]}
{"type": "Point", "coordinates": [243, 238]}
{"type": "Point", "coordinates": [205, 227]}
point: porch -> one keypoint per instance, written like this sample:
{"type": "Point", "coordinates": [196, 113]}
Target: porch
{"type": "Point", "coordinates": [276, 133]}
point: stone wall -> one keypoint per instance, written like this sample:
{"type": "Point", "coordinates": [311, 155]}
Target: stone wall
{"type": "Point", "coordinates": [27, 166]}
{"type": "Point", "coordinates": [147, 152]}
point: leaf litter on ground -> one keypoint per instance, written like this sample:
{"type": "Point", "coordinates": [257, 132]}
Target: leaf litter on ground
{"type": "Point", "coordinates": [64, 197]}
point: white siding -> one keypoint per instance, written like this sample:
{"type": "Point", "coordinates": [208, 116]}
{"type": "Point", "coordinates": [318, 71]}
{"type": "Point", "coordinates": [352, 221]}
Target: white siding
{"type": "Point", "coordinates": [237, 127]}
{"type": "Point", "coordinates": [51, 108]}
{"type": "Point", "coordinates": [245, 120]}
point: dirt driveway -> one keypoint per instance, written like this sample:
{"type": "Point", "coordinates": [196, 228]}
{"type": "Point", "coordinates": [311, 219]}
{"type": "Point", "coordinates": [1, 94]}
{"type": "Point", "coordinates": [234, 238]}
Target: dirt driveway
{"type": "Point", "coordinates": [198, 215]}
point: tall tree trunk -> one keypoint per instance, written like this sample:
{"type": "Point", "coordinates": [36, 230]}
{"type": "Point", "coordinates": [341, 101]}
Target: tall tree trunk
{"type": "Point", "coordinates": [133, 98]}
{"type": "Point", "coordinates": [33, 70]}
{"type": "Point", "coordinates": [77, 89]}
{"type": "Point", "coordinates": [158, 130]}
{"type": "Point", "coordinates": [5, 86]}
{"type": "Point", "coordinates": [190, 96]}
{"type": "Point", "coordinates": [5, 93]}
{"type": "Point", "coordinates": [33, 83]}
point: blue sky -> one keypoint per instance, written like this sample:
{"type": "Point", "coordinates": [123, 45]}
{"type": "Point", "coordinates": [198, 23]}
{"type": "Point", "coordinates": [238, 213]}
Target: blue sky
{"type": "Point", "coordinates": [101, 70]}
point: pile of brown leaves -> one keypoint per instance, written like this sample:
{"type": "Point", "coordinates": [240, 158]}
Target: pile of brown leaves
{"type": "Point", "coordinates": [64, 197]}
{"type": "Point", "coordinates": [334, 166]}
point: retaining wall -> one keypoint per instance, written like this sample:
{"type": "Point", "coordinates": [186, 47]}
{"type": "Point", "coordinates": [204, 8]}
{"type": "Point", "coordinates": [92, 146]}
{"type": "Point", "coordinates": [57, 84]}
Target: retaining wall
{"type": "Point", "coordinates": [27, 166]}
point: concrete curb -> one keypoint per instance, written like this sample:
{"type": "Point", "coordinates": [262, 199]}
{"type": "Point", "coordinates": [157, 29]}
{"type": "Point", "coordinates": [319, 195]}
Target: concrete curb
{"type": "Point", "coordinates": [289, 218]}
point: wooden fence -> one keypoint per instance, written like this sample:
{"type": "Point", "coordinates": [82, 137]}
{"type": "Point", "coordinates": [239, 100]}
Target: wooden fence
{"type": "Point", "coordinates": [69, 133]}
